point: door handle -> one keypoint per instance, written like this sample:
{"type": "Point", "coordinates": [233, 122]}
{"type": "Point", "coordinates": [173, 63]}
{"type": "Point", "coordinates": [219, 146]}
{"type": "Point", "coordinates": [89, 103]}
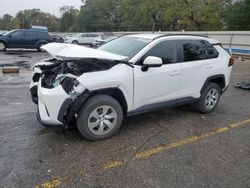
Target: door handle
{"type": "Point", "coordinates": [175, 73]}
{"type": "Point", "coordinates": [209, 66]}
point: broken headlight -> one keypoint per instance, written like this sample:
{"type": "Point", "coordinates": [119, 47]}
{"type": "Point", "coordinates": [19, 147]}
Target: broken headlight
{"type": "Point", "coordinates": [72, 87]}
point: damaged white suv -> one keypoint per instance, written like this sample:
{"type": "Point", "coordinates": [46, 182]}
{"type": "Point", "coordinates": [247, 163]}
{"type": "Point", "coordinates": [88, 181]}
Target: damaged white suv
{"type": "Point", "coordinates": [130, 75]}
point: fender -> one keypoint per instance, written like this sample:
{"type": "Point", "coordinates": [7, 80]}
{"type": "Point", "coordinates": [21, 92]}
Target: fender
{"type": "Point", "coordinates": [41, 41]}
{"type": "Point", "coordinates": [215, 77]}
{"type": "Point", "coordinates": [70, 107]}
{"type": "Point", "coordinates": [5, 41]}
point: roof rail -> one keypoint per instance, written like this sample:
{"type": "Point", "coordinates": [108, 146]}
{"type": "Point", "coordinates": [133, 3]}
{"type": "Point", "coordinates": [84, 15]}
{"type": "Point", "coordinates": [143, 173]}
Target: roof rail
{"type": "Point", "coordinates": [182, 34]}
{"type": "Point", "coordinates": [163, 35]}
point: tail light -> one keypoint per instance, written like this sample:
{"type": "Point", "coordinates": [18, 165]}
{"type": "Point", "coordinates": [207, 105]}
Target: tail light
{"type": "Point", "coordinates": [231, 62]}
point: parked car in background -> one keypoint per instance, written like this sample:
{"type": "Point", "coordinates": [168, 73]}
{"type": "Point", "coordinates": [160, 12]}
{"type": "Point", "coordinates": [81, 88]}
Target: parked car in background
{"type": "Point", "coordinates": [99, 42]}
{"type": "Point", "coordinates": [56, 38]}
{"type": "Point", "coordinates": [24, 38]}
{"type": "Point", "coordinates": [83, 38]}
{"type": "Point", "coordinates": [130, 75]}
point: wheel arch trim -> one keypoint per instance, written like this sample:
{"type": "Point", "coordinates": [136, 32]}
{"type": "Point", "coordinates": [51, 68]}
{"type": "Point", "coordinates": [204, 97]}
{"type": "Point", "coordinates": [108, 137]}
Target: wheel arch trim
{"type": "Point", "coordinates": [70, 107]}
{"type": "Point", "coordinates": [211, 78]}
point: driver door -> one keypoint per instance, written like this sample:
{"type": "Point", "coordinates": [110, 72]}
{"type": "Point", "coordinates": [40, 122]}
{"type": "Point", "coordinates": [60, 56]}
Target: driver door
{"type": "Point", "coordinates": [16, 39]}
{"type": "Point", "coordinates": [159, 86]}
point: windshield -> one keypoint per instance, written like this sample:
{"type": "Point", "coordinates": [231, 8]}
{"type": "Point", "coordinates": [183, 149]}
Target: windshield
{"type": "Point", "coordinates": [5, 34]}
{"type": "Point", "coordinates": [125, 46]}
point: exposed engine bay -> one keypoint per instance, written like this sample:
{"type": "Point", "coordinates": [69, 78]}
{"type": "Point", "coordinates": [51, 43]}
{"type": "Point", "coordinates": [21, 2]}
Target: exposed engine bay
{"type": "Point", "coordinates": [63, 72]}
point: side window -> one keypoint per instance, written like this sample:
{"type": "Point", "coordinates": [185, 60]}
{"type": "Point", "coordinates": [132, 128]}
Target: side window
{"type": "Point", "coordinates": [84, 35]}
{"type": "Point", "coordinates": [211, 51]}
{"type": "Point", "coordinates": [165, 50]}
{"type": "Point", "coordinates": [17, 34]}
{"type": "Point", "coordinates": [194, 50]}
{"type": "Point", "coordinates": [30, 34]}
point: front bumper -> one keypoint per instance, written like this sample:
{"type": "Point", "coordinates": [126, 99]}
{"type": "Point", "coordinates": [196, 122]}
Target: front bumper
{"type": "Point", "coordinates": [49, 104]}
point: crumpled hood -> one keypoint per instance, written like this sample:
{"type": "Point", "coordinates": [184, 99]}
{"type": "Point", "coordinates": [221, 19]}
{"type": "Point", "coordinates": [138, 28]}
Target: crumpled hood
{"type": "Point", "coordinates": [71, 51]}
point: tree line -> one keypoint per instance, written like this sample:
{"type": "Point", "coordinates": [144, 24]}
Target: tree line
{"type": "Point", "coordinates": [138, 15]}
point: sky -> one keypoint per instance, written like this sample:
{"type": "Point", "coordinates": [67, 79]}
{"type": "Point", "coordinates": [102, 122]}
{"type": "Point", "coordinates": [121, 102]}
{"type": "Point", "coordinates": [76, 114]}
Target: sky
{"type": "Point", "coordinates": [51, 6]}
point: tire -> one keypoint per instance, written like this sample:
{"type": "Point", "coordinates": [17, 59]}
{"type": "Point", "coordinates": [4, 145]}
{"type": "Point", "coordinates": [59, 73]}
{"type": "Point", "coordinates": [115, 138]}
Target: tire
{"type": "Point", "coordinates": [99, 118]}
{"type": "Point", "coordinates": [75, 42]}
{"type": "Point", "coordinates": [209, 99]}
{"type": "Point", "coordinates": [39, 47]}
{"type": "Point", "coordinates": [2, 46]}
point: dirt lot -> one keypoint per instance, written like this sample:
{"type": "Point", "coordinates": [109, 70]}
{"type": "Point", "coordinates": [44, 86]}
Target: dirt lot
{"type": "Point", "coordinates": [170, 148]}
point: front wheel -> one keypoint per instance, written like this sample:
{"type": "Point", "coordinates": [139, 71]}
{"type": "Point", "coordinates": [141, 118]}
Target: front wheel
{"type": "Point", "coordinates": [100, 118]}
{"type": "Point", "coordinates": [209, 99]}
{"type": "Point", "coordinates": [75, 42]}
{"type": "Point", "coordinates": [2, 46]}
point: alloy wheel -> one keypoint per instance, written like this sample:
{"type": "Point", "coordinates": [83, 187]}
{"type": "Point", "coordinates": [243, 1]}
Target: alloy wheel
{"type": "Point", "coordinates": [212, 98]}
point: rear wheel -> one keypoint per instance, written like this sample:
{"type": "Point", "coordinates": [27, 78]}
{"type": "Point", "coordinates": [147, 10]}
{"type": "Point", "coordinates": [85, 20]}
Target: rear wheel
{"type": "Point", "coordinates": [100, 118]}
{"type": "Point", "coordinates": [2, 46]}
{"type": "Point", "coordinates": [209, 99]}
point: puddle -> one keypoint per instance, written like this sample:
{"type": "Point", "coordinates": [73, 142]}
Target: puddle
{"type": "Point", "coordinates": [21, 64]}
{"type": "Point", "coordinates": [13, 53]}
{"type": "Point", "coordinates": [26, 56]}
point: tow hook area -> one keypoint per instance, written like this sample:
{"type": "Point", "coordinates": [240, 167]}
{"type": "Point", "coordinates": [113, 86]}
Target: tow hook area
{"type": "Point", "coordinates": [70, 107]}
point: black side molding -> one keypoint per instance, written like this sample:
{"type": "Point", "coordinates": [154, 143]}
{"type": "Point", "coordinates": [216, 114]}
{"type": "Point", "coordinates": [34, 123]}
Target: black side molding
{"type": "Point", "coordinates": [69, 108]}
{"type": "Point", "coordinates": [162, 105]}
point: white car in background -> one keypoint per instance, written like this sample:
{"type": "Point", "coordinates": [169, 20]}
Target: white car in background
{"type": "Point", "coordinates": [130, 75]}
{"type": "Point", "coordinates": [83, 38]}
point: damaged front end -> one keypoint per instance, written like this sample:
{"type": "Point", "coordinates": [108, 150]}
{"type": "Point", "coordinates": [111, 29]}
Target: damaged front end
{"type": "Point", "coordinates": [65, 74]}
{"type": "Point", "coordinates": [55, 84]}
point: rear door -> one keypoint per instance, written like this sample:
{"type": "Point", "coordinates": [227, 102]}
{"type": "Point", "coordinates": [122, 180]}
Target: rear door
{"type": "Point", "coordinates": [159, 85]}
{"type": "Point", "coordinates": [31, 38]}
{"type": "Point", "coordinates": [197, 65]}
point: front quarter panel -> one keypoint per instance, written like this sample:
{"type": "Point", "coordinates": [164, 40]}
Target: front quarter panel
{"type": "Point", "coordinates": [120, 76]}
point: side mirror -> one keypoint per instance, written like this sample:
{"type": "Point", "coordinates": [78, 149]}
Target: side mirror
{"type": "Point", "coordinates": [10, 36]}
{"type": "Point", "coordinates": [151, 61]}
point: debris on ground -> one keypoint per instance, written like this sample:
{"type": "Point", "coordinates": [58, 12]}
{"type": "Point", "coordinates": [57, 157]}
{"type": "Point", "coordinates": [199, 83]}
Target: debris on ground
{"type": "Point", "coordinates": [243, 85]}
{"type": "Point", "coordinates": [10, 70]}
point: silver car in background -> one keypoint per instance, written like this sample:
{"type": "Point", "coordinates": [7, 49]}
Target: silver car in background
{"type": "Point", "coordinates": [83, 38]}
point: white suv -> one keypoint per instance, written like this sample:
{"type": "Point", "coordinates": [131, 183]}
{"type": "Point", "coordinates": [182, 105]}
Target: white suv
{"type": "Point", "coordinates": [83, 38]}
{"type": "Point", "coordinates": [130, 75]}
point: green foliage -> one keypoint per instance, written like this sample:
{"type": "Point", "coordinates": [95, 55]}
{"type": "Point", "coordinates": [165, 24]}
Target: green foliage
{"type": "Point", "coordinates": [237, 16]}
{"type": "Point", "coordinates": [146, 15]}
{"type": "Point", "coordinates": [69, 20]}
{"type": "Point", "coordinates": [29, 17]}
{"type": "Point", "coordinates": [139, 15]}
{"type": "Point", "coordinates": [7, 22]}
